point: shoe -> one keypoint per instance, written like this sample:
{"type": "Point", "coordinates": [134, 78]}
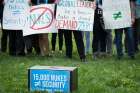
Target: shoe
{"type": "Point", "coordinates": [49, 55]}
{"type": "Point", "coordinates": [21, 54]}
{"type": "Point", "coordinates": [52, 52]}
{"type": "Point", "coordinates": [84, 60]}
{"type": "Point", "coordinates": [68, 57]}
{"type": "Point", "coordinates": [119, 57]}
{"type": "Point", "coordinates": [95, 55]}
{"type": "Point", "coordinates": [12, 54]}
{"type": "Point", "coordinates": [102, 54]}
{"type": "Point", "coordinates": [60, 51]}
{"type": "Point", "coordinates": [132, 57]}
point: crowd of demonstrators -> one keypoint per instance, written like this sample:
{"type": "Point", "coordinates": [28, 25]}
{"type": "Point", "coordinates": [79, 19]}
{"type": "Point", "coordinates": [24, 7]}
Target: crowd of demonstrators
{"type": "Point", "coordinates": [101, 43]}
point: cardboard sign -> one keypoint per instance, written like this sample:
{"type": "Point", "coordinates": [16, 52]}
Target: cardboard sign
{"type": "Point", "coordinates": [40, 19]}
{"type": "Point", "coordinates": [52, 79]}
{"type": "Point", "coordinates": [75, 15]}
{"type": "Point", "coordinates": [14, 14]}
{"type": "Point", "coordinates": [117, 14]}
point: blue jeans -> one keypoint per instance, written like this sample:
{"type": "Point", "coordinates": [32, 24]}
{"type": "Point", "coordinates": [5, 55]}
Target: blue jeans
{"type": "Point", "coordinates": [87, 37]}
{"type": "Point", "coordinates": [129, 41]}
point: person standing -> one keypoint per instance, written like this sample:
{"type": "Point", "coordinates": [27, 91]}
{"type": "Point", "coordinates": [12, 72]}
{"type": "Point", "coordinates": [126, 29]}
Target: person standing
{"type": "Point", "coordinates": [79, 42]}
{"type": "Point", "coordinates": [99, 32]}
{"type": "Point", "coordinates": [60, 34]}
{"type": "Point", "coordinates": [32, 41]}
{"type": "Point", "coordinates": [16, 41]}
{"type": "Point", "coordinates": [128, 37]}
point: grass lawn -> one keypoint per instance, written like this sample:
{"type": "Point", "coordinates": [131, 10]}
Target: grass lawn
{"type": "Point", "coordinates": [106, 75]}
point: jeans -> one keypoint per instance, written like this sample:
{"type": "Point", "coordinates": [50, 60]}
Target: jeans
{"type": "Point", "coordinates": [87, 37]}
{"type": "Point", "coordinates": [129, 41]}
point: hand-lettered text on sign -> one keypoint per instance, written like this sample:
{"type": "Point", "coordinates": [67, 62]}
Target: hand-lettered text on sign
{"type": "Point", "coordinates": [41, 20]}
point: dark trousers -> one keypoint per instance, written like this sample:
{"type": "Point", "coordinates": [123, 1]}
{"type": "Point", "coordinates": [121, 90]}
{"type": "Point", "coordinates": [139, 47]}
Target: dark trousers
{"type": "Point", "coordinates": [99, 34]}
{"type": "Point", "coordinates": [35, 43]}
{"type": "Point", "coordinates": [16, 42]}
{"type": "Point", "coordinates": [20, 45]}
{"type": "Point", "coordinates": [79, 43]}
{"type": "Point", "coordinates": [32, 41]}
{"type": "Point", "coordinates": [53, 40]}
{"type": "Point", "coordinates": [136, 27]}
{"type": "Point", "coordinates": [12, 42]}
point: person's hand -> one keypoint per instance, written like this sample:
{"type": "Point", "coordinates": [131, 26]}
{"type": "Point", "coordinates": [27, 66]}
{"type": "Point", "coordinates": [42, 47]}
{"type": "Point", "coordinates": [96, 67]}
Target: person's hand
{"type": "Point", "coordinates": [133, 18]}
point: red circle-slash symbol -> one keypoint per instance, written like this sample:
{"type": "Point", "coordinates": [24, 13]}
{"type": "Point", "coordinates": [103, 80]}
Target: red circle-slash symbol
{"type": "Point", "coordinates": [43, 11]}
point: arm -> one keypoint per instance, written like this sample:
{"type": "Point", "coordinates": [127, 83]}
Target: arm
{"type": "Point", "coordinates": [132, 6]}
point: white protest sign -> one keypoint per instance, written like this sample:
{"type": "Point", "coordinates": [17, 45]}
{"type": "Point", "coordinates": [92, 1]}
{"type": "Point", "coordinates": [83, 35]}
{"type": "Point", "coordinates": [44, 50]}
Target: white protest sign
{"type": "Point", "coordinates": [117, 14]}
{"type": "Point", "coordinates": [14, 14]}
{"type": "Point", "coordinates": [40, 20]}
{"type": "Point", "coordinates": [75, 15]}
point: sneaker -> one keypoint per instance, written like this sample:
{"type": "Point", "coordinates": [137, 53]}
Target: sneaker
{"type": "Point", "coordinates": [52, 52]}
{"type": "Point", "coordinates": [84, 60]}
{"type": "Point", "coordinates": [60, 51]}
{"type": "Point", "coordinates": [132, 57]}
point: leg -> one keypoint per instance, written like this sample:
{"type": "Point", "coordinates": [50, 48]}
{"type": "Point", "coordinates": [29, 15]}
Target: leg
{"type": "Point", "coordinates": [80, 44]}
{"type": "Point", "coordinates": [35, 43]}
{"type": "Point", "coordinates": [68, 43]}
{"type": "Point", "coordinates": [44, 44]}
{"type": "Point", "coordinates": [53, 41]}
{"type": "Point", "coordinates": [118, 42]}
{"type": "Point", "coordinates": [4, 40]}
{"type": "Point", "coordinates": [12, 42]}
{"type": "Point", "coordinates": [28, 44]}
{"type": "Point", "coordinates": [60, 36]}
{"type": "Point", "coordinates": [20, 45]}
{"type": "Point", "coordinates": [109, 41]}
{"type": "Point", "coordinates": [130, 41]}
{"type": "Point", "coordinates": [103, 41]}
{"type": "Point", "coordinates": [87, 48]}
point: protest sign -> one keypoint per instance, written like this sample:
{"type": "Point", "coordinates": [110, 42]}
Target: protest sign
{"type": "Point", "coordinates": [53, 79]}
{"type": "Point", "coordinates": [116, 14]}
{"type": "Point", "coordinates": [75, 15]}
{"type": "Point", "coordinates": [40, 19]}
{"type": "Point", "coordinates": [14, 14]}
